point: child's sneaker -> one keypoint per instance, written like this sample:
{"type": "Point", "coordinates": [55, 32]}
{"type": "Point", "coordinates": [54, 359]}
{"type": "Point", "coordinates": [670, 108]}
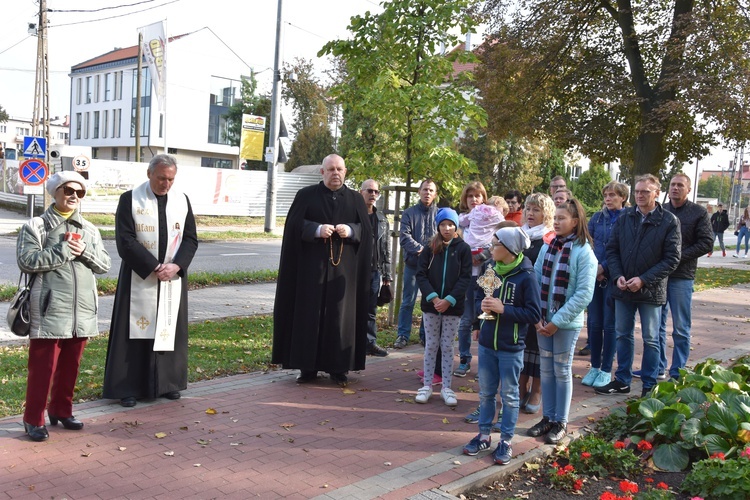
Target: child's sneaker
{"type": "Point", "coordinates": [473, 417]}
{"type": "Point", "coordinates": [476, 445]}
{"type": "Point", "coordinates": [423, 394]}
{"type": "Point", "coordinates": [448, 396]}
{"type": "Point", "coordinates": [602, 379]}
{"type": "Point", "coordinates": [590, 377]}
{"type": "Point", "coordinates": [503, 453]}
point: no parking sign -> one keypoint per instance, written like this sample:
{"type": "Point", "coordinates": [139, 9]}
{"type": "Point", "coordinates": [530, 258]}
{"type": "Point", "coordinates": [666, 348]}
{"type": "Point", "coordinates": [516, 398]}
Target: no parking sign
{"type": "Point", "coordinates": [33, 172]}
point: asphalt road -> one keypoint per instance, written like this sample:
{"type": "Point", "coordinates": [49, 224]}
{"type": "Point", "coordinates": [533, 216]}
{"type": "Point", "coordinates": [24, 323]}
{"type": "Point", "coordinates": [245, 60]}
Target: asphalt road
{"type": "Point", "coordinates": [218, 256]}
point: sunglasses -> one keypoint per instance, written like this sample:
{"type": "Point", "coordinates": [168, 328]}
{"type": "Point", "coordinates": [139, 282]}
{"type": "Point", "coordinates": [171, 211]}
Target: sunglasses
{"type": "Point", "coordinates": [68, 191]}
{"type": "Point", "coordinates": [372, 191]}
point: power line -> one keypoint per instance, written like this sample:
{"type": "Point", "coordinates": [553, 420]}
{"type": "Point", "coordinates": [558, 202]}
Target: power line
{"type": "Point", "coordinates": [113, 17]}
{"type": "Point", "coordinates": [22, 40]}
{"type": "Point", "coordinates": [103, 8]}
{"type": "Point", "coordinates": [303, 29]}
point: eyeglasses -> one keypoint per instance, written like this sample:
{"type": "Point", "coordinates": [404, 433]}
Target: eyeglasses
{"type": "Point", "coordinates": [644, 192]}
{"type": "Point", "coordinates": [557, 186]}
{"type": "Point", "coordinates": [68, 191]}
{"type": "Point", "coordinates": [372, 191]}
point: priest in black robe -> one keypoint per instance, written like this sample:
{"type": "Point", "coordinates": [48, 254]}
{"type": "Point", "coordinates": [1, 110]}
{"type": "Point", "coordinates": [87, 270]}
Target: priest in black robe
{"type": "Point", "coordinates": [133, 369]}
{"type": "Point", "coordinates": [321, 308]}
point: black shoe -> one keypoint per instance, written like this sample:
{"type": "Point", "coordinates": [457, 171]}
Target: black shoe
{"type": "Point", "coordinates": [70, 423]}
{"type": "Point", "coordinates": [585, 351]}
{"type": "Point", "coordinates": [542, 427]}
{"type": "Point", "coordinates": [128, 402]}
{"type": "Point", "coordinates": [36, 433]}
{"type": "Point", "coordinates": [306, 376]}
{"type": "Point", "coordinates": [375, 350]}
{"type": "Point", "coordinates": [340, 379]}
{"type": "Point", "coordinates": [171, 395]}
{"type": "Point", "coordinates": [645, 391]}
{"type": "Point", "coordinates": [614, 387]}
{"type": "Point", "coordinates": [556, 433]}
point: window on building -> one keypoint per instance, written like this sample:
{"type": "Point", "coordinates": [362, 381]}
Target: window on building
{"type": "Point", "coordinates": [3, 129]}
{"type": "Point", "coordinates": [97, 83]}
{"type": "Point", "coordinates": [145, 125]}
{"type": "Point", "coordinates": [215, 163]}
{"type": "Point", "coordinates": [88, 89]}
{"type": "Point", "coordinates": [116, 122]}
{"type": "Point", "coordinates": [96, 125]}
{"type": "Point", "coordinates": [117, 86]}
{"type": "Point", "coordinates": [78, 125]}
{"type": "Point", "coordinates": [105, 123]}
{"type": "Point", "coordinates": [223, 94]}
{"type": "Point", "coordinates": [62, 136]}
{"type": "Point", "coordinates": [86, 123]}
{"type": "Point", "coordinates": [94, 153]}
{"type": "Point", "coordinates": [107, 86]}
{"type": "Point", "coordinates": [161, 125]}
{"type": "Point", "coordinates": [127, 154]}
{"type": "Point", "coordinates": [79, 84]}
{"type": "Point", "coordinates": [115, 153]}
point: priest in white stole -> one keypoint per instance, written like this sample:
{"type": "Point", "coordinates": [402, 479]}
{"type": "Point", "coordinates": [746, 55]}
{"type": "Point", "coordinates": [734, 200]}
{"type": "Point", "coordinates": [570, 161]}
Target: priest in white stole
{"type": "Point", "coordinates": [156, 239]}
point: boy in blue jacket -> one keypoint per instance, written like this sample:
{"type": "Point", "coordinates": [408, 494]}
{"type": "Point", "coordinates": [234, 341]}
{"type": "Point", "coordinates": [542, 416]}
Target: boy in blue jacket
{"type": "Point", "coordinates": [516, 304]}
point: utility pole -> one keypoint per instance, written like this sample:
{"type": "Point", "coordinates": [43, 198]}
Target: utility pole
{"type": "Point", "coordinates": [273, 141]}
{"type": "Point", "coordinates": [40, 121]}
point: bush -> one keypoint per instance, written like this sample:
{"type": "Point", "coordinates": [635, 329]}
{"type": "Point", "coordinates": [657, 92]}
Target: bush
{"type": "Point", "coordinates": [591, 455]}
{"type": "Point", "coordinates": [719, 478]}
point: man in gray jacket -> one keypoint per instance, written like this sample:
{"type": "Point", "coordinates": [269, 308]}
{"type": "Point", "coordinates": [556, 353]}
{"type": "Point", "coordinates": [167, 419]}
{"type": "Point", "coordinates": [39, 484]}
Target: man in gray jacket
{"type": "Point", "coordinates": [417, 227]}
{"type": "Point", "coordinates": [642, 252]}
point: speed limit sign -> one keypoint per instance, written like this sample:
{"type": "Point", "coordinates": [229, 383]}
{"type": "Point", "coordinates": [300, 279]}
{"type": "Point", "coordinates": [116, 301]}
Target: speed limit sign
{"type": "Point", "coordinates": [81, 163]}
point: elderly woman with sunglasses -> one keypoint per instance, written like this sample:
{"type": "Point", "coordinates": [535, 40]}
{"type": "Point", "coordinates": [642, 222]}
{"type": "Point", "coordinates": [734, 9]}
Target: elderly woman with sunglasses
{"type": "Point", "coordinates": [63, 251]}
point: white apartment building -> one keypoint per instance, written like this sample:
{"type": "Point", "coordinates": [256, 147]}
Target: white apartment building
{"type": "Point", "coordinates": [15, 129]}
{"type": "Point", "coordinates": [203, 80]}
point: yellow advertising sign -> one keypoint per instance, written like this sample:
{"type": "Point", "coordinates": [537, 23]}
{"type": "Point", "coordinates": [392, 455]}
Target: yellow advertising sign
{"type": "Point", "coordinates": [253, 134]}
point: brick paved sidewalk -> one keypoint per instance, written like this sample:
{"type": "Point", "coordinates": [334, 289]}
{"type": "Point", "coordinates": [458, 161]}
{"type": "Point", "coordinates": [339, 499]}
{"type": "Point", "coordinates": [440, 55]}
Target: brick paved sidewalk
{"type": "Point", "coordinates": [271, 438]}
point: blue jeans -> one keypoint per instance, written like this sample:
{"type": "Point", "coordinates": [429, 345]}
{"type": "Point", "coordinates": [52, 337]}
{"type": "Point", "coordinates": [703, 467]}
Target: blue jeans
{"type": "Point", "coordinates": [555, 362]}
{"type": "Point", "coordinates": [464, 327]}
{"type": "Point", "coordinates": [372, 307]}
{"type": "Point", "coordinates": [601, 328]}
{"type": "Point", "coordinates": [679, 300]}
{"type": "Point", "coordinates": [408, 298]}
{"type": "Point", "coordinates": [625, 327]}
{"type": "Point", "coordinates": [499, 369]}
{"type": "Point", "coordinates": [744, 233]}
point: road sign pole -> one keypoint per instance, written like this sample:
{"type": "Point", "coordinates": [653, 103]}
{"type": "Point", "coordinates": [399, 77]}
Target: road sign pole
{"type": "Point", "coordinates": [30, 200]}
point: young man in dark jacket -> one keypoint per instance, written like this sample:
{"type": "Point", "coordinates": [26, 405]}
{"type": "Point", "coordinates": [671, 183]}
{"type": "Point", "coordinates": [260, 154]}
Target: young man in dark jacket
{"type": "Point", "coordinates": [516, 304]}
{"type": "Point", "coordinates": [719, 224]}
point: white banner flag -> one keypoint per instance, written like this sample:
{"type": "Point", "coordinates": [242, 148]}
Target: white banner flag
{"type": "Point", "coordinates": [155, 51]}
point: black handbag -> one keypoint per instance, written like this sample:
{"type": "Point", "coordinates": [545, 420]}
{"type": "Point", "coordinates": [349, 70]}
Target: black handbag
{"type": "Point", "coordinates": [19, 312]}
{"type": "Point", "coordinates": [385, 296]}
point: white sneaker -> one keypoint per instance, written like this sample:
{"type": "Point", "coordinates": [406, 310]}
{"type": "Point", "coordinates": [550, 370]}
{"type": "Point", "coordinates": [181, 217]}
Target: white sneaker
{"type": "Point", "coordinates": [736, 255]}
{"type": "Point", "coordinates": [423, 394]}
{"type": "Point", "coordinates": [449, 397]}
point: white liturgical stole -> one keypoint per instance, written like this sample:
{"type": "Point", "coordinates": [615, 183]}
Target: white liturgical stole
{"type": "Point", "coordinates": [154, 304]}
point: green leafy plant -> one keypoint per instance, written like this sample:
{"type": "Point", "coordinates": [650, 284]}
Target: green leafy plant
{"type": "Point", "coordinates": [707, 411]}
{"type": "Point", "coordinates": [616, 425]}
{"type": "Point", "coordinates": [720, 478]}
{"type": "Point", "coordinates": [591, 455]}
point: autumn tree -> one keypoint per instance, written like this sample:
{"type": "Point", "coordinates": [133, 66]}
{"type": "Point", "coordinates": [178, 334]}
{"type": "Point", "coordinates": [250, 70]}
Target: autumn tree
{"type": "Point", "coordinates": [249, 104]}
{"type": "Point", "coordinates": [403, 108]}
{"type": "Point", "coordinates": [635, 81]}
{"type": "Point", "coordinates": [308, 97]}
{"type": "Point", "coordinates": [588, 187]}
{"type": "Point", "coordinates": [3, 115]}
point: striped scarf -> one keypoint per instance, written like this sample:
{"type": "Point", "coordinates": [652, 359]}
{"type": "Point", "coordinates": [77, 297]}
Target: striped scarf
{"type": "Point", "coordinates": [562, 277]}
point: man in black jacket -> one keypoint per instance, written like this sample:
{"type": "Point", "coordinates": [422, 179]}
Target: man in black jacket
{"type": "Point", "coordinates": [642, 252]}
{"type": "Point", "coordinates": [719, 224]}
{"type": "Point", "coordinates": [381, 261]}
{"type": "Point", "coordinates": [697, 239]}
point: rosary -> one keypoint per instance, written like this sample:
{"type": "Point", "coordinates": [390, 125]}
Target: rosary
{"type": "Point", "coordinates": [336, 262]}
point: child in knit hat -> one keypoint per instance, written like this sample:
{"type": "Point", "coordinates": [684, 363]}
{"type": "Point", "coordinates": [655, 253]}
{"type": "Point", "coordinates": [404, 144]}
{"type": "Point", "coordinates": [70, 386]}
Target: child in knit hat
{"type": "Point", "coordinates": [515, 305]}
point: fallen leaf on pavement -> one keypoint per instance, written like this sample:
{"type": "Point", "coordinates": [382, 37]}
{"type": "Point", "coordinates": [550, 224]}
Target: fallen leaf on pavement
{"type": "Point", "coordinates": [160, 435]}
{"type": "Point", "coordinates": [287, 426]}
{"type": "Point", "coordinates": [446, 421]}
{"type": "Point", "coordinates": [211, 411]}
{"type": "Point", "coordinates": [349, 391]}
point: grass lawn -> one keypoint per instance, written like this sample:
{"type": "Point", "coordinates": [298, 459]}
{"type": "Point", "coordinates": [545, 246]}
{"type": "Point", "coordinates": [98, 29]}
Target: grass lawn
{"type": "Point", "coordinates": [227, 347]}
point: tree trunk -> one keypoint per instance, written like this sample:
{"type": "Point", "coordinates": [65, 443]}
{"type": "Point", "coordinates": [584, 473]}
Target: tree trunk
{"type": "Point", "coordinates": [648, 153]}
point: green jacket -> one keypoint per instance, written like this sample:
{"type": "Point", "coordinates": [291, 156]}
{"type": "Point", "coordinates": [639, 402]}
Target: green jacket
{"type": "Point", "coordinates": [64, 298]}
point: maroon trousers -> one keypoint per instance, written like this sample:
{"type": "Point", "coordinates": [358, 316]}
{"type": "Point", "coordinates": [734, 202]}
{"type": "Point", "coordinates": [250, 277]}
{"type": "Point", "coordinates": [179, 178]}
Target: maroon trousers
{"type": "Point", "coordinates": [52, 363]}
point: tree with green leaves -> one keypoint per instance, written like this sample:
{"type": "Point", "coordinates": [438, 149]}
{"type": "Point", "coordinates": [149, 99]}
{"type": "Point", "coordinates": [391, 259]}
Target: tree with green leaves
{"type": "Point", "coordinates": [403, 107]}
{"type": "Point", "coordinates": [588, 187]}
{"type": "Point", "coordinates": [635, 81]}
{"type": "Point", "coordinates": [716, 186]}
{"type": "Point", "coordinates": [249, 104]}
{"type": "Point", "coordinates": [3, 115]}
{"type": "Point", "coordinates": [308, 96]}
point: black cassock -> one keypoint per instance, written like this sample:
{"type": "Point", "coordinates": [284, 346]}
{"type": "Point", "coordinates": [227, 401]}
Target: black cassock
{"type": "Point", "coordinates": [133, 369]}
{"type": "Point", "coordinates": [320, 312]}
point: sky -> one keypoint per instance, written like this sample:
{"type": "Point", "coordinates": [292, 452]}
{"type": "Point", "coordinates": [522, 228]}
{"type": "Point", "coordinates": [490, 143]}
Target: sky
{"type": "Point", "coordinates": [248, 27]}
